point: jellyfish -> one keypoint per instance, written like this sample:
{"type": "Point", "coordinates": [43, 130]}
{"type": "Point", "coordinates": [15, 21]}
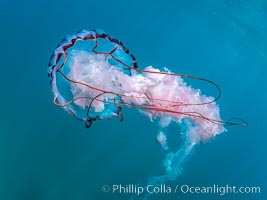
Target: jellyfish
{"type": "Point", "coordinates": [93, 76]}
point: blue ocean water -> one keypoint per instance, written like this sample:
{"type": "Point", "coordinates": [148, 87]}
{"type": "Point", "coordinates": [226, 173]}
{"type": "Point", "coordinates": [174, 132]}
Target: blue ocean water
{"type": "Point", "coordinates": [46, 154]}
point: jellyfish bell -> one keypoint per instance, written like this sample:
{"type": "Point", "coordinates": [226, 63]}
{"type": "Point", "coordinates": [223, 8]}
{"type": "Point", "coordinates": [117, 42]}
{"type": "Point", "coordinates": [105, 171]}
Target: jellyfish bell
{"type": "Point", "coordinates": [75, 79]}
